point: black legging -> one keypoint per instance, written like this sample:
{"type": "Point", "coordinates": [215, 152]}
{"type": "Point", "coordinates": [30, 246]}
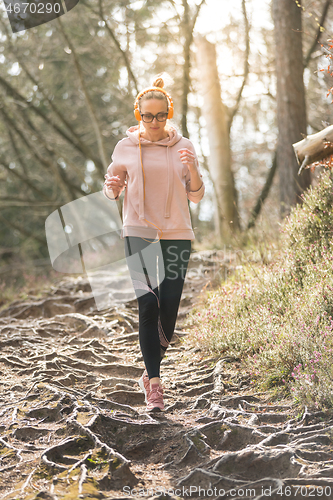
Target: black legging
{"type": "Point", "coordinates": [158, 302]}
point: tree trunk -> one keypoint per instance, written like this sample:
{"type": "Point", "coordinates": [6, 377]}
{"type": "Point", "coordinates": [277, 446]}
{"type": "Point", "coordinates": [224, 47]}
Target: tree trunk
{"type": "Point", "coordinates": [217, 121]}
{"type": "Point", "coordinates": [264, 193]}
{"type": "Point", "coordinates": [188, 36]}
{"type": "Point", "coordinates": [188, 24]}
{"type": "Point", "coordinates": [291, 108]}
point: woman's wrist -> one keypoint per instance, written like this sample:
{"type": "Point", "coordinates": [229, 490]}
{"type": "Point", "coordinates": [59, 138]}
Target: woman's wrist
{"type": "Point", "coordinates": [196, 181]}
{"type": "Point", "coordinates": [112, 194]}
{"type": "Point", "coordinates": [193, 168]}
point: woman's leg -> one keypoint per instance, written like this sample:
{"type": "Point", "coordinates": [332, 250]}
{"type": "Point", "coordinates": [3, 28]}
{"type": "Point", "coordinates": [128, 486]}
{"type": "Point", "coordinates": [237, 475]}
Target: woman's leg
{"type": "Point", "coordinates": [146, 290]}
{"type": "Point", "coordinates": [176, 254]}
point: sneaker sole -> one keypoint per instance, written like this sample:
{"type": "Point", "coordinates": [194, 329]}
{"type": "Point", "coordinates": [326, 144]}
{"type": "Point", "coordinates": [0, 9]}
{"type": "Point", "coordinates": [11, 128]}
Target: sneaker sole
{"type": "Point", "coordinates": [156, 409]}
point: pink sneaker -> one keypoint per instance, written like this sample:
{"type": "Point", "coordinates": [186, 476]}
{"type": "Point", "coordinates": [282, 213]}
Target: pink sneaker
{"type": "Point", "coordinates": [145, 385]}
{"type": "Point", "coordinates": [155, 398]}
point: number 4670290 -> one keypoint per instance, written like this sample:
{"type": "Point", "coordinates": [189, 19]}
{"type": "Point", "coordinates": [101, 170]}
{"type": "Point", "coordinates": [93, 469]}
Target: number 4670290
{"type": "Point", "coordinates": [304, 491]}
{"type": "Point", "coordinates": [32, 7]}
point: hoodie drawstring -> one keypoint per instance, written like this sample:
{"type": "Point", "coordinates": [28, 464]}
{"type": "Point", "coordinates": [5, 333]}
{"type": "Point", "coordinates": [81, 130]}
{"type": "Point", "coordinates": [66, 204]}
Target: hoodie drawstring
{"type": "Point", "coordinates": [170, 186]}
{"type": "Point", "coordinates": [141, 195]}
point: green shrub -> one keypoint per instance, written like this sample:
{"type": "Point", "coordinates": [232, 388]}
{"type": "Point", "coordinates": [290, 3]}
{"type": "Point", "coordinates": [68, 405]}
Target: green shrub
{"type": "Point", "coordinates": [278, 318]}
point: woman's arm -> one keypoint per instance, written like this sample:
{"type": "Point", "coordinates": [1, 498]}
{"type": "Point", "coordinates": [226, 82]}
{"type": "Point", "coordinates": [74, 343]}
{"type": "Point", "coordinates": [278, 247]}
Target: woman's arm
{"type": "Point", "coordinates": [115, 178]}
{"type": "Point", "coordinates": [194, 184]}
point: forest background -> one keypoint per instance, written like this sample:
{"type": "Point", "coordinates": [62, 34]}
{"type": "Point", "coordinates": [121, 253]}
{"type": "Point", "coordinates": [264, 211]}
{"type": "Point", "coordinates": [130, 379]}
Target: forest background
{"type": "Point", "coordinates": [66, 98]}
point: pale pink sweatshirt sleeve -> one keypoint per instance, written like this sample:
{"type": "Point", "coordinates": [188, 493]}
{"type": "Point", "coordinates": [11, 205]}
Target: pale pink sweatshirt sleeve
{"type": "Point", "coordinates": [194, 196]}
{"type": "Point", "coordinates": [116, 168]}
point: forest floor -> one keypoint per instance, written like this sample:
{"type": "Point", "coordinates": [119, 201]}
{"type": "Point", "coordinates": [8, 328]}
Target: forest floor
{"type": "Point", "coordinates": [73, 422]}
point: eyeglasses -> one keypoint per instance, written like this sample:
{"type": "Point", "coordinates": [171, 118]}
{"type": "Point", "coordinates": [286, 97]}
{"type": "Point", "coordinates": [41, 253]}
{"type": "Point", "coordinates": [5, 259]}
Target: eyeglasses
{"type": "Point", "coordinates": [148, 117]}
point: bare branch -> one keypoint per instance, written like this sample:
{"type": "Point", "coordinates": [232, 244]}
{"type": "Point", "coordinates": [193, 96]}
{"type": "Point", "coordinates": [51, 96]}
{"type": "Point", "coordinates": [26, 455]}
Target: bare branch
{"type": "Point", "coordinates": [246, 63]}
{"type": "Point", "coordinates": [264, 192]}
{"type": "Point", "coordinates": [196, 14]}
{"type": "Point", "coordinates": [76, 142]}
{"type": "Point", "coordinates": [188, 35]}
{"type": "Point", "coordinates": [69, 187]}
{"type": "Point", "coordinates": [98, 132]}
{"type": "Point", "coordinates": [319, 33]}
{"type": "Point", "coordinates": [173, 4]}
{"type": "Point", "coordinates": [19, 156]}
{"type": "Point", "coordinates": [52, 151]}
{"type": "Point", "coordinates": [188, 28]}
{"type": "Point", "coordinates": [22, 178]}
{"type": "Point", "coordinates": [22, 229]}
{"type": "Point", "coordinates": [116, 42]}
{"type": "Point", "coordinates": [23, 202]}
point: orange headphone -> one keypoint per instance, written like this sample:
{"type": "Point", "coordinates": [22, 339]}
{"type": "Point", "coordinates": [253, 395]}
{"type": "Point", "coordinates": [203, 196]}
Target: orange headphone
{"type": "Point", "coordinates": [138, 117]}
{"type": "Point", "coordinates": [153, 89]}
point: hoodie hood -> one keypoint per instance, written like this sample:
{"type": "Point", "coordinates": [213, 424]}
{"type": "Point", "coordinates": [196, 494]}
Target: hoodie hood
{"type": "Point", "coordinates": [173, 137]}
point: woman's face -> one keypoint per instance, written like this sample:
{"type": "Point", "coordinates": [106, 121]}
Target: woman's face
{"type": "Point", "coordinates": [154, 130]}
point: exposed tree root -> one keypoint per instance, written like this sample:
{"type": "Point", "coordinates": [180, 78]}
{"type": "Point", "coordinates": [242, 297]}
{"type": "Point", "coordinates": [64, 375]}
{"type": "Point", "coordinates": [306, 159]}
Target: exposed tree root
{"type": "Point", "coordinates": [73, 422]}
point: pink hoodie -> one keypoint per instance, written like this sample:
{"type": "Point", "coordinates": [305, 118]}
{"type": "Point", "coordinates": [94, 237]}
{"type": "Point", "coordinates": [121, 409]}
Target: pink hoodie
{"type": "Point", "coordinates": [167, 186]}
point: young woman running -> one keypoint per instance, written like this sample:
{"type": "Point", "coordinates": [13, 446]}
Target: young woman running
{"type": "Point", "coordinates": [160, 169]}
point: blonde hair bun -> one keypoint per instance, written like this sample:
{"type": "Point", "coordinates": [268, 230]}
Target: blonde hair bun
{"type": "Point", "coordinates": [159, 83]}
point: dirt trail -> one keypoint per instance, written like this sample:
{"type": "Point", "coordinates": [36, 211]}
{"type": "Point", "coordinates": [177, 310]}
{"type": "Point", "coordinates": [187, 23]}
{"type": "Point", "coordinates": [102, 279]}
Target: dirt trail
{"type": "Point", "coordinates": [73, 422]}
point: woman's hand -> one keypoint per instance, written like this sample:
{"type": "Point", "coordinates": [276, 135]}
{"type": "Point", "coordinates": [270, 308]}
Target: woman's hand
{"type": "Point", "coordinates": [113, 182]}
{"type": "Point", "coordinates": [188, 158]}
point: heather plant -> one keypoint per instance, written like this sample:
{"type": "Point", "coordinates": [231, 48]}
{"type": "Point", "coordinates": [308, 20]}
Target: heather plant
{"type": "Point", "coordinates": [26, 283]}
{"type": "Point", "coordinates": [277, 318]}
{"type": "Point", "coordinates": [308, 232]}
